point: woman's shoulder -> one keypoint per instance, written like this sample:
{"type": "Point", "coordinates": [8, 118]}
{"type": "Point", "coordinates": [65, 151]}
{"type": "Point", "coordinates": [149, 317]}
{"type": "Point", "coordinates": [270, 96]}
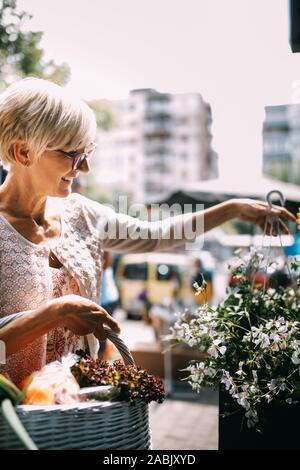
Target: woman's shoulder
{"type": "Point", "coordinates": [82, 206]}
{"type": "Point", "coordinates": [78, 200]}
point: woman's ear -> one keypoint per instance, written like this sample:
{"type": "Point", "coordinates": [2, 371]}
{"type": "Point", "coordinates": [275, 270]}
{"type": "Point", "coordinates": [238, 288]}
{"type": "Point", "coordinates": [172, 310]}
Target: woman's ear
{"type": "Point", "coordinates": [21, 151]}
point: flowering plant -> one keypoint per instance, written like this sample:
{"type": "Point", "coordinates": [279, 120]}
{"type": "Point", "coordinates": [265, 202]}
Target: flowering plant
{"type": "Point", "coordinates": [251, 340]}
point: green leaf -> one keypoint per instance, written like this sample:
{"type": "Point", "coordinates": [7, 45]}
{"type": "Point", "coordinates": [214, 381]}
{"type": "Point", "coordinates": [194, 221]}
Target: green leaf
{"type": "Point", "coordinates": [294, 265]}
{"type": "Point", "coordinates": [12, 419]}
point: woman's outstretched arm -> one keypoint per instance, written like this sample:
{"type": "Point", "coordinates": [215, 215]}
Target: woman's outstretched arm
{"type": "Point", "coordinates": [125, 234]}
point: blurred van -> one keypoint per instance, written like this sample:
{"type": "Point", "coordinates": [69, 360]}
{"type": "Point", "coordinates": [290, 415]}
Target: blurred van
{"type": "Point", "coordinates": [147, 279]}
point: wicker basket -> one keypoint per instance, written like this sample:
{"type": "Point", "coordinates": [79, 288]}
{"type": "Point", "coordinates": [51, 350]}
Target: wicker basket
{"type": "Point", "coordinates": [84, 426]}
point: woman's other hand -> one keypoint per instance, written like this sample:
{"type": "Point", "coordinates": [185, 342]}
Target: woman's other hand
{"type": "Point", "coordinates": [257, 212]}
{"type": "Point", "coordinates": [82, 316]}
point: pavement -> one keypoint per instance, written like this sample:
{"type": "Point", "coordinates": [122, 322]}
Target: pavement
{"type": "Point", "coordinates": [185, 420]}
{"type": "Point", "coordinates": [182, 424]}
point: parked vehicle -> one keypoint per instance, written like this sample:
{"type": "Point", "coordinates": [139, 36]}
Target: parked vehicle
{"type": "Point", "coordinates": [150, 278]}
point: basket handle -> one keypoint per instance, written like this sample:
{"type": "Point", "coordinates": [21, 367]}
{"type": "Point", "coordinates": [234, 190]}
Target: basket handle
{"type": "Point", "coordinates": [272, 193]}
{"type": "Point", "coordinates": [120, 345]}
{"type": "Point", "coordinates": [273, 221]}
{"type": "Point", "coordinates": [110, 334]}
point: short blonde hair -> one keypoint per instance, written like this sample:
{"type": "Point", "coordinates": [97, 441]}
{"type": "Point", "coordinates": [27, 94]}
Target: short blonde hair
{"type": "Point", "coordinates": [44, 115]}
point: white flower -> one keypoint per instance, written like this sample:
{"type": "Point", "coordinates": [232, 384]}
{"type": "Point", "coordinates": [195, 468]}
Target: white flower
{"type": "Point", "coordinates": [255, 331]}
{"type": "Point", "coordinates": [275, 347]}
{"type": "Point", "coordinates": [282, 385]}
{"type": "Point", "coordinates": [192, 342]}
{"type": "Point", "coordinates": [271, 292]}
{"type": "Point", "coordinates": [195, 386]}
{"type": "Point", "coordinates": [275, 337]}
{"type": "Point", "coordinates": [268, 398]}
{"type": "Point", "coordinates": [272, 385]}
{"type": "Point", "coordinates": [295, 344]}
{"type": "Point", "coordinates": [280, 321]}
{"type": "Point", "coordinates": [240, 372]}
{"type": "Point", "coordinates": [203, 330]}
{"type": "Point", "coordinates": [209, 371]}
{"type": "Point", "coordinates": [196, 368]}
{"type": "Point", "coordinates": [191, 369]}
{"type": "Point", "coordinates": [246, 338]}
{"type": "Point", "coordinates": [283, 345]}
{"type": "Point", "coordinates": [252, 418]}
{"type": "Point", "coordinates": [241, 398]}
{"type": "Point", "coordinates": [262, 340]}
{"type": "Point", "coordinates": [233, 389]}
{"type": "Point", "coordinates": [283, 328]}
{"type": "Point", "coordinates": [295, 358]}
{"type": "Point", "coordinates": [227, 380]}
{"type": "Point", "coordinates": [215, 348]}
{"type": "Point", "coordinates": [270, 324]}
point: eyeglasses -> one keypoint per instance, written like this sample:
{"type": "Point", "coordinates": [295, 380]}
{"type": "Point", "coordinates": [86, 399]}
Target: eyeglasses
{"type": "Point", "coordinates": [78, 158]}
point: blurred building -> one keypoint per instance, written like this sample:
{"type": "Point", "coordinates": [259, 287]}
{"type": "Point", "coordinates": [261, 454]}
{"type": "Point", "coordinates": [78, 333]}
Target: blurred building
{"type": "Point", "coordinates": [159, 142]}
{"type": "Point", "coordinates": [281, 142]}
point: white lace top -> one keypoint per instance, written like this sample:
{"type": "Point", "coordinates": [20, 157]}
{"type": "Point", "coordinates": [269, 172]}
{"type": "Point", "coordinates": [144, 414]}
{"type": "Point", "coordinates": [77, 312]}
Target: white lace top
{"type": "Point", "coordinates": [27, 281]}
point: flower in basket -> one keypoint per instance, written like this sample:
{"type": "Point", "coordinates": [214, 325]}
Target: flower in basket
{"type": "Point", "coordinates": [251, 340]}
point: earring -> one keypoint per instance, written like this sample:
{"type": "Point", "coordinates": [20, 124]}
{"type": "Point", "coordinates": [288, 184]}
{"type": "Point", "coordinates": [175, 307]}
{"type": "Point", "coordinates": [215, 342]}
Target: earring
{"type": "Point", "coordinates": [27, 163]}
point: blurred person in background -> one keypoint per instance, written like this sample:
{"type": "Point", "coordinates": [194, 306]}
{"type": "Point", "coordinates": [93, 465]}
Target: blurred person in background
{"type": "Point", "coordinates": [176, 284]}
{"type": "Point", "coordinates": [109, 297]}
{"type": "Point", "coordinates": [77, 186]}
{"type": "Point", "coordinates": [200, 276]}
{"type": "Point", "coordinates": [109, 292]}
{"type": "Point", "coordinates": [280, 275]}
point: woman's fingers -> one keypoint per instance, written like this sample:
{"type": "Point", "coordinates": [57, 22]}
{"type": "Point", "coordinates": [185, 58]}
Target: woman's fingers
{"type": "Point", "coordinates": [273, 214]}
{"type": "Point", "coordinates": [98, 311]}
{"type": "Point", "coordinates": [100, 333]}
{"type": "Point", "coordinates": [111, 322]}
{"type": "Point", "coordinates": [278, 211]}
{"type": "Point", "coordinates": [79, 326]}
{"type": "Point", "coordinates": [273, 229]}
{"type": "Point", "coordinates": [101, 316]}
{"type": "Point", "coordinates": [288, 215]}
{"type": "Point", "coordinates": [283, 227]}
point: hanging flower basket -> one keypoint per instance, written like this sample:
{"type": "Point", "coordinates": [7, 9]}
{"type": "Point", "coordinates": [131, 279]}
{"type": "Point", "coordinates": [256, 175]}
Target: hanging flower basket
{"type": "Point", "coordinates": [252, 345]}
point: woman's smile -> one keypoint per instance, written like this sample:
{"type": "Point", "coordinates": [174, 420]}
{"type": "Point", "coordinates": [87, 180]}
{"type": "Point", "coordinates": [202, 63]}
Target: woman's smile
{"type": "Point", "coordinates": [67, 180]}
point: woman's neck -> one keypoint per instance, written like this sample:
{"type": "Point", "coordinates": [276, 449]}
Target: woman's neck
{"type": "Point", "coordinates": [18, 200]}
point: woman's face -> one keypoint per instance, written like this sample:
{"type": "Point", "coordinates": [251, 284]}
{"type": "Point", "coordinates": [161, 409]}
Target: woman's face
{"type": "Point", "coordinates": [52, 174]}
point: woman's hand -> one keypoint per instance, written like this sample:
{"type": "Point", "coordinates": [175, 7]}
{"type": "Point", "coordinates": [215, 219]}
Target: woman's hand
{"type": "Point", "coordinates": [256, 212]}
{"type": "Point", "coordinates": [82, 316]}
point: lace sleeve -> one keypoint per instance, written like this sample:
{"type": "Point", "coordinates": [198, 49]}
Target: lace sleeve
{"type": "Point", "coordinates": [125, 234]}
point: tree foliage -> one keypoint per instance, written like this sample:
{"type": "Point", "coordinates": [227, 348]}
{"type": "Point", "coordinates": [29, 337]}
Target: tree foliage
{"type": "Point", "coordinates": [104, 115]}
{"type": "Point", "coordinates": [20, 54]}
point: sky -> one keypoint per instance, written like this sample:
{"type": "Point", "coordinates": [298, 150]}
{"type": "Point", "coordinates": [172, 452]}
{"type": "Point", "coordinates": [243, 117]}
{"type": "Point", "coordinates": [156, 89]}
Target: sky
{"type": "Point", "coordinates": [236, 53]}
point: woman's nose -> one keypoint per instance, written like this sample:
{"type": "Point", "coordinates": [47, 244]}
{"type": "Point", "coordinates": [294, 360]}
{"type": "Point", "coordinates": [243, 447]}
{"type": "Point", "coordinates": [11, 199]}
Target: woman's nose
{"type": "Point", "coordinates": [84, 167]}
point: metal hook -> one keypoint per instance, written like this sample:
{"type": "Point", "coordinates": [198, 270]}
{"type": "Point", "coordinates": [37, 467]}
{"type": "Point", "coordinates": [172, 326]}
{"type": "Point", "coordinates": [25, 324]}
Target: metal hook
{"type": "Point", "coordinates": [273, 192]}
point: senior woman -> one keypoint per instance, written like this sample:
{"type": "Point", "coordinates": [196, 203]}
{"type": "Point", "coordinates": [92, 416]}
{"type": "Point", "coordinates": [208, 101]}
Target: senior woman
{"type": "Point", "coordinates": [52, 240]}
